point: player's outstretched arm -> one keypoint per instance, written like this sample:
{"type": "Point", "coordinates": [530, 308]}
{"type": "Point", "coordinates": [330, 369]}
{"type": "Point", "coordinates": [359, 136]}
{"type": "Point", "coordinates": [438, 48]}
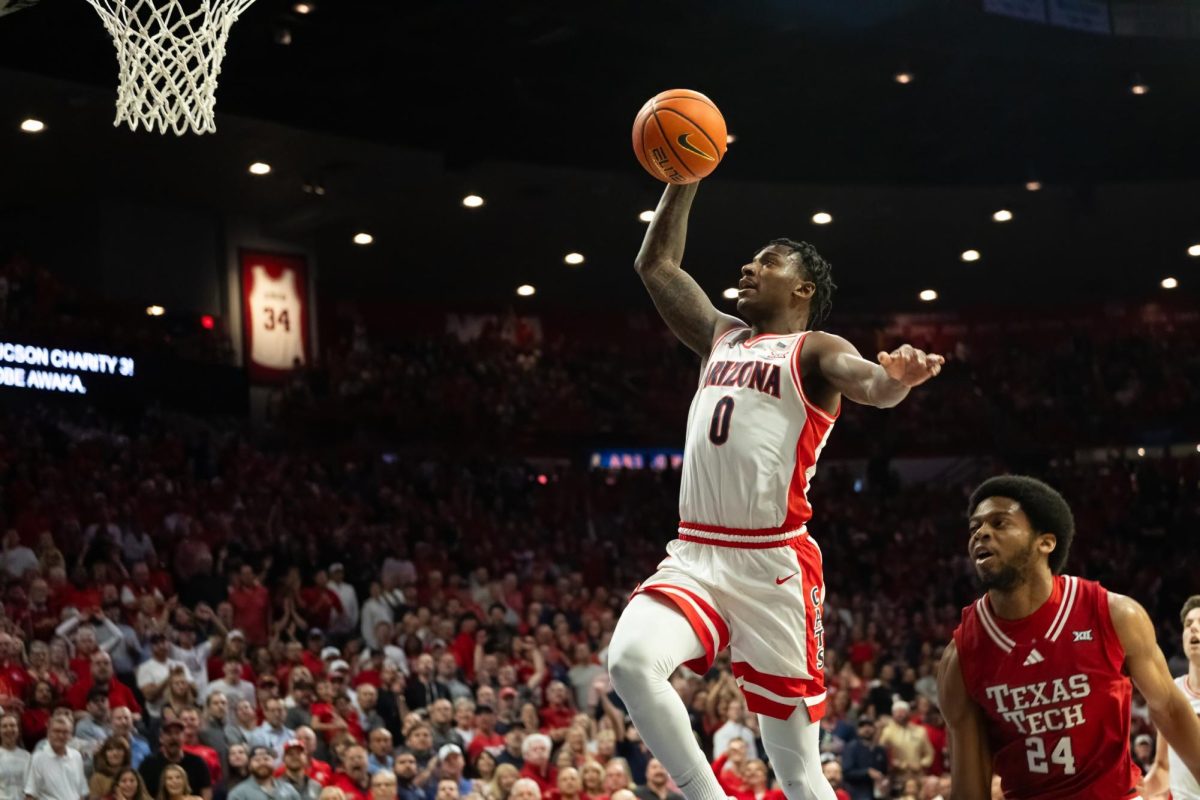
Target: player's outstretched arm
{"type": "Point", "coordinates": [970, 757]}
{"type": "Point", "coordinates": [684, 306]}
{"type": "Point", "coordinates": [882, 385]}
{"type": "Point", "coordinates": [1169, 709]}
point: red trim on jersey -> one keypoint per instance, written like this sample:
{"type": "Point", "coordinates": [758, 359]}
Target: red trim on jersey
{"type": "Point", "coordinates": [717, 340]}
{"type": "Point", "coordinates": [810, 405]}
{"type": "Point", "coordinates": [808, 557]}
{"type": "Point", "coordinates": [683, 537]}
{"type": "Point", "coordinates": [798, 688]}
{"type": "Point", "coordinates": [766, 706]}
{"type": "Point", "coordinates": [699, 526]}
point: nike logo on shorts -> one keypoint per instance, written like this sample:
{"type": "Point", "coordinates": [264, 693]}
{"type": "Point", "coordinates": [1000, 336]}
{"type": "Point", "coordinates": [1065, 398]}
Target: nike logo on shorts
{"type": "Point", "coordinates": [782, 581]}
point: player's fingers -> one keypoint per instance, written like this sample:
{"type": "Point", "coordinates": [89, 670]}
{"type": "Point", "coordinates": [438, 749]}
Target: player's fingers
{"type": "Point", "coordinates": [920, 356]}
{"type": "Point", "coordinates": [937, 359]}
{"type": "Point", "coordinates": [906, 350]}
{"type": "Point", "coordinates": [884, 358]}
{"type": "Point", "coordinates": [935, 369]}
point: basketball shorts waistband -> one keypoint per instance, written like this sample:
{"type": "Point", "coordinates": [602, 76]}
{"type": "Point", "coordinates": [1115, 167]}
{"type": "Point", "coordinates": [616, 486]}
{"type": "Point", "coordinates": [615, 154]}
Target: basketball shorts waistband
{"type": "Point", "coordinates": [742, 538]}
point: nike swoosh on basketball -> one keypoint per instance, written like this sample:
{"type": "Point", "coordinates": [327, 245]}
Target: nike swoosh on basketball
{"type": "Point", "coordinates": [782, 581]}
{"type": "Point", "coordinates": [691, 148]}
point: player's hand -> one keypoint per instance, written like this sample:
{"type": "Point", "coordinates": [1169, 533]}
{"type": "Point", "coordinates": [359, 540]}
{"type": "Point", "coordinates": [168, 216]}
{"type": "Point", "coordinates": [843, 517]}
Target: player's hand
{"type": "Point", "coordinates": [910, 366]}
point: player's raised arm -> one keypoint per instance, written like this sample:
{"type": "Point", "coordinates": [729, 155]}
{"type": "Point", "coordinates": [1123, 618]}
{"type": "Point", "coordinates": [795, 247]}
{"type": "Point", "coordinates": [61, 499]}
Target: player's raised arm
{"type": "Point", "coordinates": [684, 306]}
{"type": "Point", "coordinates": [1170, 711]}
{"type": "Point", "coordinates": [882, 385]}
{"type": "Point", "coordinates": [970, 758]}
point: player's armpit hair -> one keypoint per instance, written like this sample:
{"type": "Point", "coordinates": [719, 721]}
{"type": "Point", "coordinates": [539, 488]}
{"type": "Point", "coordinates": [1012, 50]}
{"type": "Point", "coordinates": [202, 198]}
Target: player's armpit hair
{"type": "Point", "coordinates": [817, 270]}
{"type": "Point", "coordinates": [1189, 605]}
{"type": "Point", "coordinates": [1048, 511]}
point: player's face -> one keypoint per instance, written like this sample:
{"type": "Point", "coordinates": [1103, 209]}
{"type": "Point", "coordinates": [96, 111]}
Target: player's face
{"type": "Point", "coordinates": [770, 282]}
{"type": "Point", "coordinates": [1002, 545]}
{"type": "Point", "coordinates": [1191, 635]}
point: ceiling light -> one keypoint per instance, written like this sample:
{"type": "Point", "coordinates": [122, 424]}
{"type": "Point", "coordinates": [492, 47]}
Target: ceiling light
{"type": "Point", "coordinates": [970, 255]}
{"type": "Point", "coordinates": [574, 259]}
{"type": "Point", "coordinates": [1033, 186]}
{"type": "Point", "coordinates": [904, 78]}
{"type": "Point", "coordinates": [1141, 451]}
{"type": "Point", "coordinates": [32, 125]}
{"type": "Point", "coordinates": [525, 290]}
{"type": "Point", "coordinates": [363, 238]}
{"type": "Point", "coordinates": [1169, 283]}
{"type": "Point", "coordinates": [472, 201]}
{"type": "Point", "coordinates": [730, 138]}
{"type": "Point", "coordinates": [928, 295]}
{"type": "Point", "coordinates": [304, 8]}
{"type": "Point", "coordinates": [1003, 215]}
{"type": "Point", "coordinates": [1194, 250]}
{"type": "Point", "coordinates": [155, 311]}
{"type": "Point", "coordinates": [1139, 89]}
{"type": "Point", "coordinates": [730, 294]}
{"type": "Point", "coordinates": [259, 168]}
{"type": "Point", "coordinates": [646, 216]}
{"type": "Point", "coordinates": [822, 218]}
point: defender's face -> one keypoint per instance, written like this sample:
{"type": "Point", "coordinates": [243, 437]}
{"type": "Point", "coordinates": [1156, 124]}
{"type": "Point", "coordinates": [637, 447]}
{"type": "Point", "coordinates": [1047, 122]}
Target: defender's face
{"type": "Point", "coordinates": [770, 280]}
{"type": "Point", "coordinates": [1191, 636]}
{"type": "Point", "coordinates": [1002, 545]}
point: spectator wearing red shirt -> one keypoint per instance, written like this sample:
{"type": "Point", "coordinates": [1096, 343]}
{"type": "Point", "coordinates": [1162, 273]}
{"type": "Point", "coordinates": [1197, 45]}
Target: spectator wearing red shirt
{"type": "Point", "coordinates": [320, 603]}
{"type": "Point", "coordinates": [352, 778]}
{"type": "Point", "coordinates": [558, 713]}
{"type": "Point", "coordinates": [313, 656]}
{"type": "Point", "coordinates": [569, 786]}
{"type": "Point", "coordinates": [315, 768]}
{"type": "Point", "coordinates": [486, 737]}
{"type": "Point", "coordinates": [464, 643]}
{"type": "Point", "coordinates": [190, 718]}
{"type": "Point", "coordinates": [536, 752]}
{"type": "Point", "coordinates": [251, 606]}
{"type": "Point", "coordinates": [832, 769]}
{"type": "Point", "coordinates": [754, 783]}
{"type": "Point", "coordinates": [101, 677]}
{"type": "Point", "coordinates": [935, 727]}
{"type": "Point", "coordinates": [13, 673]}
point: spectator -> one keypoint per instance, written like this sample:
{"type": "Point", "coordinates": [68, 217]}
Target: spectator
{"type": "Point", "coordinates": [441, 721]}
{"type": "Point", "coordinates": [482, 768]}
{"type": "Point", "coordinates": [379, 744]}
{"type": "Point", "coordinates": [172, 755]}
{"type": "Point", "coordinates": [212, 726]}
{"type": "Point", "coordinates": [422, 688]}
{"type": "Point", "coordinates": [352, 778]}
{"type": "Point", "coordinates": [618, 776]}
{"type": "Point", "coordinates": [464, 720]}
{"type": "Point", "coordinates": [244, 724]}
{"type": "Point", "coordinates": [272, 734]}
{"type": "Point", "coordinates": [296, 771]}
{"type": "Point", "coordinates": [535, 751]}
{"type": "Point", "coordinates": [500, 786]}
{"type": "Point", "coordinates": [405, 767]}
{"type": "Point", "coordinates": [376, 610]}
{"type": "Point", "coordinates": [591, 776]}
{"type": "Point", "coordinates": [584, 670]}
{"type": "Point", "coordinates": [735, 726]}
{"type": "Point", "coordinates": [195, 656]}
{"type": "Point", "coordinates": [190, 717]}
{"type": "Point", "coordinates": [569, 786]}
{"type": "Point", "coordinates": [95, 725]}
{"type": "Point", "coordinates": [101, 677]}
{"type": "Point", "coordinates": [128, 786]}
{"type": "Point", "coordinates": [318, 770]}
{"type": "Point", "coordinates": [237, 765]}
{"type": "Point", "coordinates": [262, 784]}
{"type": "Point", "coordinates": [451, 766]}
{"type": "Point", "coordinates": [525, 789]}
{"type": "Point", "coordinates": [176, 785]}
{"type": "Point", "coordinates": [485, 736]}
{"type": "Point", "coordinates": [447, 790]}
{"type": "Point", "coordinates": [864, 763]}
{"type": "Point", "coordinates": [14, 760]}
{"type": "Point", "coordinates": [112, 757]}
{"type": "Point", "coordinates": [345, 623]}
{"type": "Point", "coordinates": [907, 745]}
{"type": "Point", "coordinates": [368, 701]}
{"type": "Point", "coordinates": [56, 773]}
{"type": "Point", "coordinates": [154, 674]}
{"type": "Point", "coordinates": [1143, 752]}
{"type": "Point", "coordinates": [232, 684]}
{"type": "Point", "coordinates": [658, 782]}
{"type": "Point", "coordinates": [833, 773]}
{"type": "Point", "coordinates": [122, 726]}
{"type": "Point", "coordinates": [514, 741]}
{"type": "Point", "coordinates": [448, 676]}
{"type": "Point", "coordinates": [383, 785]}
{"type": "Point", "coordinates": [557, 714]}
{"type": "Point", "coordinates": [17, 559]}
{"type": "Point", "coordinates": [251, 605]}
{"type": "Point", "coordinates": [420, 744]}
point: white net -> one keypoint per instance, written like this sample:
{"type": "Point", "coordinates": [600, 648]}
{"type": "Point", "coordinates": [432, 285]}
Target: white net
{"type": "Point", "coordinates": [169, 60]}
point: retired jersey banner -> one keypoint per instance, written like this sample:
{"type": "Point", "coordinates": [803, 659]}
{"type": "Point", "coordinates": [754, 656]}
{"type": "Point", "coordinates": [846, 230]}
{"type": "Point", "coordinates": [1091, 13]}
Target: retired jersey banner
{"type": "Point", "coordinates": [274, 314]}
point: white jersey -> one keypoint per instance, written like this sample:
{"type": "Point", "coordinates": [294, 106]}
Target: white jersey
{"type": "Point", "coordinates": [753, 440]}
{"type": "Point", "coordinates": [276, 340]}
{"type": "Point", "coordinates": [1183, 784]}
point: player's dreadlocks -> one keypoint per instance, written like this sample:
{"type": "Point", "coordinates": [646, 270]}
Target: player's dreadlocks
{"type": "Point", "coordinates": [820, 273]}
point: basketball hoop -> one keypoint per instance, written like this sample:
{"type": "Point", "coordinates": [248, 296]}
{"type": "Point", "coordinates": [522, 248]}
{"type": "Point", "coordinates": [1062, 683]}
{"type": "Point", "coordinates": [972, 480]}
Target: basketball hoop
{"type": "Point", "coordinates": [169, 60]}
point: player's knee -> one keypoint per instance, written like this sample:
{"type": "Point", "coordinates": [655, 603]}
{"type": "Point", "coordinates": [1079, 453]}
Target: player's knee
{"type": "Point", "coordinates": [628, 664]}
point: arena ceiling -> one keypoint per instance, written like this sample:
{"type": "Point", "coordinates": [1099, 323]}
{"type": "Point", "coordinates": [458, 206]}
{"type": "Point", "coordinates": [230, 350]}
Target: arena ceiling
{"type": "Point", "coordinates": [408, 106]}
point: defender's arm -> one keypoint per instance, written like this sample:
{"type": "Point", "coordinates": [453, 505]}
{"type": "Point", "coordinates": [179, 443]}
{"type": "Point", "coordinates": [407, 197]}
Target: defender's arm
{"type": "Point", "coordinates": [970, 756]}
{"type": "Point", "coordinates": [1169, 709]}
{"type": "Point", "coordinates": [685, 308]}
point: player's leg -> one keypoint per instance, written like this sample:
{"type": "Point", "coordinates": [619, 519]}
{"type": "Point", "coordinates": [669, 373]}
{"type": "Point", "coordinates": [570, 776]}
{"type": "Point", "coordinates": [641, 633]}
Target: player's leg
{"type": "Point", "coordinates": [793, 745]}
{"type": "Point", "coordinates": [651, 640]}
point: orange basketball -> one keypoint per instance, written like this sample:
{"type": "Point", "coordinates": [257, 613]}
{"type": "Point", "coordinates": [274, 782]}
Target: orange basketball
{"type": "Point", "coordinates": [679, 136]}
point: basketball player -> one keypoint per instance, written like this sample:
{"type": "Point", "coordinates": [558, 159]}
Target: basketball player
{"type": "Point", "coordinates": [1036, 684]}
{"type": "Point", "coordinates": [1169, 772]}
{"type": "Point", "coordinates": [744, 572]}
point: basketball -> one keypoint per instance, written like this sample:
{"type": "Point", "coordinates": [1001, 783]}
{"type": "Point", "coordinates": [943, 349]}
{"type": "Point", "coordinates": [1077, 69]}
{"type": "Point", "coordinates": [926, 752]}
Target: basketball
{"type": "Point", "coordinates": [679, 136]}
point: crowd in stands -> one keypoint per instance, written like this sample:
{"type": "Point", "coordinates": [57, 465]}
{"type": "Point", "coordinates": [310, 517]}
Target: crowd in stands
{"type": "Point", "coordinates": [191, 612]}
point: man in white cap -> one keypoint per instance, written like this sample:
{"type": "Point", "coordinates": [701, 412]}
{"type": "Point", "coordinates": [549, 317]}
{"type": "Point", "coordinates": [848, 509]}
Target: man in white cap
{"type": "Point", "coordinates": [344, 623]}
{"type": "Point", "coordinates": [450, 768]}
{"type": "Point", "coordinates": [910, 753]}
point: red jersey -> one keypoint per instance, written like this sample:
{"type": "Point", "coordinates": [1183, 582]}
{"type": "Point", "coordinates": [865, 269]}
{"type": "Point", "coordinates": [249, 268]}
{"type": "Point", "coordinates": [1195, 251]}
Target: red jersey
{"type": "Point", "coordinates": [1054, 693]}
